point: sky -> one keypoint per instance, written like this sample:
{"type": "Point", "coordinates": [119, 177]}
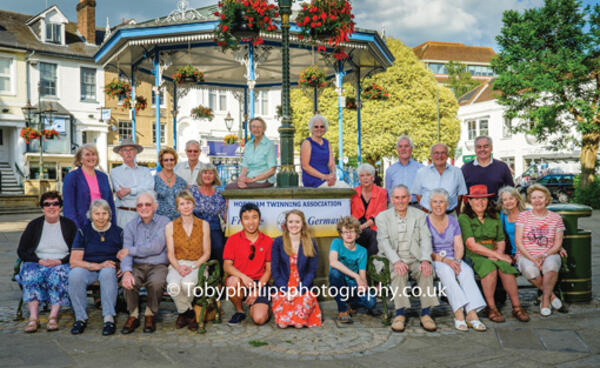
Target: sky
{"type": "Point", "coordinates": [472, 22]}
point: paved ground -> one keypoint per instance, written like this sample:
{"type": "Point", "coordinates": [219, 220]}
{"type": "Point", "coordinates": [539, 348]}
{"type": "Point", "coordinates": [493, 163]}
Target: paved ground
{"type": "Point", "coordinates": [563, 340]}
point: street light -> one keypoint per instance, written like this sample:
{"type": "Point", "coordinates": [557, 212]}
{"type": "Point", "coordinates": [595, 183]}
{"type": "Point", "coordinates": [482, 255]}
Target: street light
{"type": "Point", "coordinates": [228, 121]}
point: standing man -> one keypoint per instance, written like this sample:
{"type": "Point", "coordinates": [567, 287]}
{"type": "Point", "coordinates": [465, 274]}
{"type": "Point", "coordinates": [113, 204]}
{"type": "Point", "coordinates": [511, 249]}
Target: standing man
{"type": "Point", "coordinates": [404, 239]}
{"type": "Point", "coordinates": [129, 180]}
{"type": "Point", "coordinates": [404, 171]}
{"type": "Point", "coordinates": [189, 169]}
{"type": "Point", "coordinates": [485, 170]}
{"type": "Point", "coordinates": [440, 174]}
{"type": "Point", "coordinates": [144, 262]}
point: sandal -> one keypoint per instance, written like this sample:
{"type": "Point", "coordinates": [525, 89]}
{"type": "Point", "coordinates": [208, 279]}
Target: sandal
{"type": "Point", "coordinates": [32, 326]}
{"type": "Point", "coordinates": [495, 316]}
{"type": "Point", "coordinates": [520, 314]}
{"type": "Point", "coordinates": [344, 317]}
{"type": "Point", "coordinates": [477, 325]}
{"type": "Point", "coordinates": [460, 325]}
{"type": "Point", "coordinates": [52, 324]}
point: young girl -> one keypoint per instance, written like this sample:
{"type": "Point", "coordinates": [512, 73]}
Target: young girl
{"type": "Point", "coordinates": [294, 265]}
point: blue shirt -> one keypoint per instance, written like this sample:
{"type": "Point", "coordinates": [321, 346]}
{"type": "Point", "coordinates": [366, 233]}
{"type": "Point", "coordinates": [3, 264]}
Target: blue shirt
{"type": "Point", "coordinates": [208, 208]}
{"type": "Point", "coordinates": [355, 260]}
{"type": "Point", "coordinates": [146, 242]}
{"type": "Point", "coordinates": [137, 178]}
{"type": "Point", "coordinates": [261, 159]}
{"type": "Point", "coordinates": [165, 196]}
{"type": "Point", "coordinates": [402, 174]}
{"type": "Point", "coordinates": [95, 249]}
{"type": "Point", "coordinates": [428, 178]}
{"type": "Point", "coordinates": [509, 230]}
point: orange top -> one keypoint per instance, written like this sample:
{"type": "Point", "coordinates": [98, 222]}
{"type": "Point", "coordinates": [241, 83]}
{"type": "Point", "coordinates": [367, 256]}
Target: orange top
{"type": "Point", "coordinates": [187, 247]}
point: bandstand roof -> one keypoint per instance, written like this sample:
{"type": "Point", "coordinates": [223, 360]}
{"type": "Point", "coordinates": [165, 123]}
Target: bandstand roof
{"type": "Point", "coordinates": [192, 42]}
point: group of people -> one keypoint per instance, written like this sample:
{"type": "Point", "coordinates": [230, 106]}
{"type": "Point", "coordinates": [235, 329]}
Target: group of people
{"type": "Point", "coordinates": [157, 232]}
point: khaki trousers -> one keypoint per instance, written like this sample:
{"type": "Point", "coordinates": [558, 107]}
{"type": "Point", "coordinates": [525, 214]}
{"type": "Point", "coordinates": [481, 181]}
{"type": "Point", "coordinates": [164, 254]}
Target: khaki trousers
{"type": "Point", "coordinates": [152, 277]}
{"type": "Point", "coordinates": [399, 283]}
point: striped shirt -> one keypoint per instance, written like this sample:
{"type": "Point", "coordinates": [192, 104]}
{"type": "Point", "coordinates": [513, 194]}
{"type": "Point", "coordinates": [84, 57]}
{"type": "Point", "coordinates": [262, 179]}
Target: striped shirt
{"type": "Point", "coordinates": [539, 232]}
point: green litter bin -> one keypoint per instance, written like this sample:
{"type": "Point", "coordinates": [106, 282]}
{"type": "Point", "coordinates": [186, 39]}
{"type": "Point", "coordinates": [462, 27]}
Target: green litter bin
{"type": "Point", "coordinates": [576, 279]}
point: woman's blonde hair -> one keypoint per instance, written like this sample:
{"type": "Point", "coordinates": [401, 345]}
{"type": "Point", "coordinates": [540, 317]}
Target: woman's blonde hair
{"type": "Point", "coordinates": [79, 153]}
{"type": "Point", "coordinates": [166, 150]}
{"type": "Point", "coordinates": [186, 195]}
{"type": "Point", "coordinates": [540, 188]}
{"type": "Point", "coordinates": [513, 193]}
{"type": "Point", "coordinates": [305, 239]}
{"type": "Point", "coordinates": [349, 223]}
{"type": "Point", "coordinates": [208, 167]}
{"type": "Point", "coordinates": [258, 118]}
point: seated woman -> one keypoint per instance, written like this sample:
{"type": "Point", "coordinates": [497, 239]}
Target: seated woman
{"type": "Point", "coordinates": [188, 247]}
{"type": "Point", "coordinates": [94, 258]}
{"type": "Point", "coordinates": [539, 236]}
{"type": "Point", "coordinates": [167, 184]}
{"type": "Point", "coordinates": [510, 204]}
{"type": "Point", "coordinates": [484, 237]}
{"type": "Point", "coordinates": [456, 276]}
{"type": "Point", "coordinates": [365, 205]}
{"type": "Point", "coordinates": [259, 162]}
{"type": "Point", "coordinates": [294, 263]}
{"type": "Point", "coordinates": [44, 248]}
{"type": "Point", "coordinates": [348, 270]}
{"type": "Point", "coordinates": [210, 207]}
{"type": "Point", "coordinates": [316, 157]}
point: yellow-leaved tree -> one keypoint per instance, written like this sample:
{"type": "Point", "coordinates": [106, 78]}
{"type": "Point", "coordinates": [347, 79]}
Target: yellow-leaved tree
{"type": "Point", "coordinates": [410, 109]}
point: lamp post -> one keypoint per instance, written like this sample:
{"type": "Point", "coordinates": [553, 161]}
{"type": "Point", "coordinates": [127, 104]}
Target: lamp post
{"type": "Point", "coordinates": [228, 121]}
{"type": "Point", "coordinates": [287, 176]}
{"type": "Point", "coordinates": [29, 112]}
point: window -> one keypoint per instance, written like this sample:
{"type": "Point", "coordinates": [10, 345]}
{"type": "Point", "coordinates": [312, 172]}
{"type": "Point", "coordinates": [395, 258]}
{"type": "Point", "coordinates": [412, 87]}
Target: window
{"type": "Point", "coordinates": [53, 33]}
{"type": "Point", "coordinates": [162, 98]}
{"type": "Point", "coordinates": [47, 79]}
{"type": "Point", "coordinates": [217, 100]}
{"type": "Point", "coordinates": [472, 129]}
{"type": "Point", "coordinates": [262, 102]}
{"type": "Point", "coordinates": [125, 130]}
{"type": "Point", "coordinates": [438, 68]}
{"type": "Point", "coordinates": [507, 128]}
{"type": "Point", "coordinates": [483, 127]}
{"type": "Point", "coordinates": [5, 74]}
{"type": "Point", "coordinates": [163, 133]}
{"type": "Point", "coordinates": [88, 84]}
{"type": "Point", "coordinates": [480, 70]}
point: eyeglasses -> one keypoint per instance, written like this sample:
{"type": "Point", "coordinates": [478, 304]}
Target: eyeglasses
{"type": "Point", "coordinates": [348, 232]}
{"type": "Point", "coordinates": [147, 204]}
{"type": "Point", "coordinates": [51, 204]}
{"type": "Point", "coordinates": [318, 126]}
{"type": "Point", "coordinates": [192, 151]}
{"type": "Point", "coordinates": [252, 252]}
{"type": "Point", "coordinates": [168, 160]}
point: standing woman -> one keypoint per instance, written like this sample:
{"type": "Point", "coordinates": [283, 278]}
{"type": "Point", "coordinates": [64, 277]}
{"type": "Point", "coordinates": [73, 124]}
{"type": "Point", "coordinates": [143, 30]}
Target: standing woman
{"type": "Point", "coordinates": [44, 248]}
{"type": "Point", "coordinates": [167, 184]}
{"type": "Point", "coordinates": [294, 263]}
{"type": "Point", "coordinates": [188, 247]}
{"type": "Point", "coordinates": [511, 204]}
{"type": "Point", "coordinates": [84, 185]}
{"type": "Point", "coordinates": [210, 204]}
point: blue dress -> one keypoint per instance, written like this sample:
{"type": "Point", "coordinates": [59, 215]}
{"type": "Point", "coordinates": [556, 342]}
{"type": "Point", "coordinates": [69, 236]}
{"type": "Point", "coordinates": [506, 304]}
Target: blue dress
{"type": "Point", "coordinates": [208, 208]}
{"type": "Point", "coordinates": [319, 160]}
{"type": "Point", "coordinates": [165, 196]}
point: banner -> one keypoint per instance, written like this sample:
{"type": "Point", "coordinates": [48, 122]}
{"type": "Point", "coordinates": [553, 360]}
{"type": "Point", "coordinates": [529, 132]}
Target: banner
{"type": "Point", "coordinates": [322, 215]}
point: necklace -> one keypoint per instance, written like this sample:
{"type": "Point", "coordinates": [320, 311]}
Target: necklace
{"type": "Point", "coordinates": [168, 179]}
{"type": "Point", "coordinates": [101, 233]}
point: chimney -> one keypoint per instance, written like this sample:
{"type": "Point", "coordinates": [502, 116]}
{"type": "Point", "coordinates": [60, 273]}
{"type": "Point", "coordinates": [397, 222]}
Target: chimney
{"type": "Point", "coordinates": [86, 20]}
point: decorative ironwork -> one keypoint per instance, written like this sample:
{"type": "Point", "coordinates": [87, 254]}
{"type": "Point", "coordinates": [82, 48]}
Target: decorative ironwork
{"type": "Point", "coordinates": [182, 14]}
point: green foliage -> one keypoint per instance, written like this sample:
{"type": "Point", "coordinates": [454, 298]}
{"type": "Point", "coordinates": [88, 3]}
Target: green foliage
{"type": "Point", "coordinates": [589, 195]}
{"type": "Point", "coordinates": [410, 109]}
{"type": "Point", "coordinates": [460, 80]}
{"type": "Point", "coordinates": [257, 343]}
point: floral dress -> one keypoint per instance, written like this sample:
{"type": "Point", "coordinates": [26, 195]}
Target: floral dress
{"type": "Point", "coordinates": [165, 196]}
{"type": "Point", "coordinates": [303, 310]}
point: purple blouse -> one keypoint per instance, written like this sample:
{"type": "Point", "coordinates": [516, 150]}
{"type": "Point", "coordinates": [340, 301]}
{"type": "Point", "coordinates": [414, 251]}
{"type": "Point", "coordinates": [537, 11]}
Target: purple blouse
{"type": "Point", "coordinates": [444, 242]}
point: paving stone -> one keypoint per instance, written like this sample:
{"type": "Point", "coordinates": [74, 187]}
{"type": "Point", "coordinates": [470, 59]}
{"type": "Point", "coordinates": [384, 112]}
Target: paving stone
{"type": "Point", "coordinates": [562, 340]}
{"type": "Point", "coordinates": [518, 338]}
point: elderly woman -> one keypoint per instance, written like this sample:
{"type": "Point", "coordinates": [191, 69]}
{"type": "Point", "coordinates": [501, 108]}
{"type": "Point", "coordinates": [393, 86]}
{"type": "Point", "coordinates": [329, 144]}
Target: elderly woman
{"type": "Point", "coordinates": [94, 258]}
{"type": "Point", "coordinates": [167, 184]}
{"type": "Point", "coordinates": [259, 162]}
{"type": "Point", "coordinates": [210, 207]}
{"type": "Point", "coordinates": [482, 233]}
{"type": "Point", "coordinates": [84, 185]}
{"type": "Point", "coordinates": [456, 276]}
{"type": "Point", "coordinates": [316, 157]}
{"type": "Point", "coordinates": [539, 236]}
{"type": "Point", "coordinates": [365, 205]}
{"type": "Point", "coordinates": [188, 247]}
{"type": "Point", "coordinates": [511, 204]}
{"type": "Point", "coordinates": [44, 248]}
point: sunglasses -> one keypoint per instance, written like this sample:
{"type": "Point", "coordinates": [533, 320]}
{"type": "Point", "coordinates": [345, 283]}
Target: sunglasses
{"type": "Point", "coordinates": [252, 252]}
{"type": "Point", "coordinates": [192, 151]}
{"type": "Point", "coordinates": [319, 126]}
{"type": "Point", "coordinates": [168, 160]}
{"type": "Point", "coordinates": [51, 204]}
{"type": "Point", "coordinates": [147, 204]}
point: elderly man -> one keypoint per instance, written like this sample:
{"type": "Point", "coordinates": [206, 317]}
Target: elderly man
{"type": "Point", "coordinates": [485, 170]}
{"type": "Point", "coordinates": [404, 171]}
{"type": "Point", "coordinates": [128, 181]}
{"type": "Point", "coordinates": [440, 174]}
{"type": "Point", "coordinates": [404, 239]}
{"type": "Point", "coordinates": [144, 262]}
{"type": "Point", "coordinates": [189, 169]}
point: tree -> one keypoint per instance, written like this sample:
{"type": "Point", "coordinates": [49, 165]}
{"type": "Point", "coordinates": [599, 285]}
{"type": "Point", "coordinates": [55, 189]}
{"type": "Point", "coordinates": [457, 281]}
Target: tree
{"type": "Point", "coordinates": [411, 110]}
{"type": "Point", "coordinates": [549, 75]}
{"type": "Point", "coordinates": [460, 80]}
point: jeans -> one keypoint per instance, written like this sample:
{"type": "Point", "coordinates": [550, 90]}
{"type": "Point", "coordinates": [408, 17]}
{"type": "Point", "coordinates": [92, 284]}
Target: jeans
{"type": "Point", "coordinates": [80, 278]}
{"type": "Point", "coordinates": [342, 283]}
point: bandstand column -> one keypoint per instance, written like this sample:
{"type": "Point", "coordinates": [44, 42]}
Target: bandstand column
{"type": "Point", "coordinates": [133, 124]}
{"type": "Point", "coordinates": [156, 65]}
{"type": "Point", "coordinates": [251, 78]}
{"type": "Point", "coordinates": [339, 77]}
{"type": "Point", "coordinates": [175, 116]}
{"type": "Point", "coordinates": [358, 115]}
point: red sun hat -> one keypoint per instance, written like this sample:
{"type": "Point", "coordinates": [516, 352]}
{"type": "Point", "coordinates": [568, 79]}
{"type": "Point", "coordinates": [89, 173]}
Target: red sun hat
{"type": "Point", "coordinates": [479, 191]}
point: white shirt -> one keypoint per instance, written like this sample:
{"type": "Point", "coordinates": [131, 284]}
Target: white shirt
{"type": "Point", "coordinates": [52, 244]}
{"type": "Point", "coordinates": [138, 178]}
{"type": "Point", "coordinates": [476, 163]}
{"type": "Point", "coordinates": [190, 176]}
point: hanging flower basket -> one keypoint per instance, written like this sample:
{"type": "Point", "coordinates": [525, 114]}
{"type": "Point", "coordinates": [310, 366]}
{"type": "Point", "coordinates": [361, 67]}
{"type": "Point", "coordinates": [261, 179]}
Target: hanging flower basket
{"type": "Point", "coordinates": [49, 134]}
{"type": "Point", "coordinates": [201, 112]}
{"type": "Point", "coordinates": [140, 103]}
{"type": "Point", "coordinates": [30, 134]}
{"type": "Point", "coordinates": [118, 89]}
{"type": "Point", "coordinates": [351, 103]}
{"type": "Point", "coordinates": [312, 77]}
{"type": "Point", "coordinates": [242, 20]}
{"type": "Point", "coordinates": [230, 139]}
{"type": "Point", "coordinates": [188, 74]}
{"type": "Point", "coordinates": [326, 20]}
{"type": "Point", "coordinates": [375, 92]}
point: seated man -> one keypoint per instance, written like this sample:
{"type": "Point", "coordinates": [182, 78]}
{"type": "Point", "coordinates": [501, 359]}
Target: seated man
{"type": "Point", "coordinates": [404, 239]}
{"type": "Point", "coordinates": [247, 262]}
{"type": "Point", "coordinates": [144, 262]}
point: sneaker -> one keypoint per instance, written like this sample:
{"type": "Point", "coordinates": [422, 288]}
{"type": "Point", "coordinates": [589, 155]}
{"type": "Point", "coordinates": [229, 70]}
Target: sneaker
{"type": "Point", "coordinates": [556, 303]}
{"type": "Point", "coordinates": [237, 318]}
